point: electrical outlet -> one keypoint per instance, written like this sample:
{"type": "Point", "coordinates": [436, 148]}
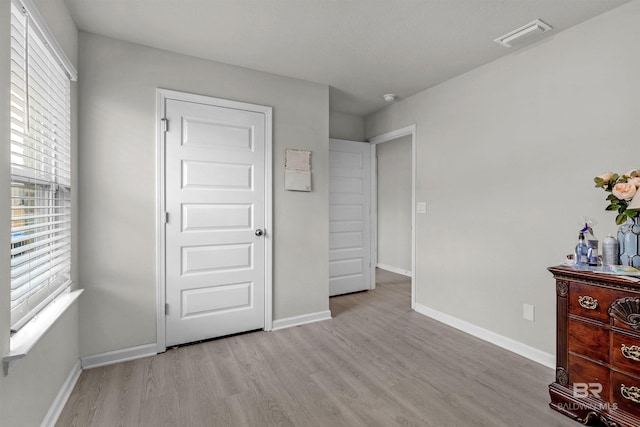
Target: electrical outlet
{"type": "Point", "coordinates": [529, 312]}
{"type": "Point", "coordinates": [421, 207]}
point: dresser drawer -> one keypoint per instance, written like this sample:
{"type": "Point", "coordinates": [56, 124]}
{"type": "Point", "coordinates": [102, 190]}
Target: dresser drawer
{"type": "Point", "coordinates": [625, 354]}
{"type": "Point", "coordinates": [591, 301]}
{"type": "Point", "coordinates": [588, 340]}
{"type": "Point", "coordinates": [583, 371]}
{"type": "Point", "coordinates": [625, 313]}
{"type": "Point", "coordinates": [626, 392]}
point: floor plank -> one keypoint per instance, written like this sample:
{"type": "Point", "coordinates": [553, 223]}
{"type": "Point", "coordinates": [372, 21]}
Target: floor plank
{"type": "Point", "coordinates": [376, 363]}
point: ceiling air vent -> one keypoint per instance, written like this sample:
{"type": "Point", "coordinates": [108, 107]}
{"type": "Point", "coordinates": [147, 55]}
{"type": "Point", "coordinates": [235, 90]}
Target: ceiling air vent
{"type": "Point", "coordinates": [523, 34]}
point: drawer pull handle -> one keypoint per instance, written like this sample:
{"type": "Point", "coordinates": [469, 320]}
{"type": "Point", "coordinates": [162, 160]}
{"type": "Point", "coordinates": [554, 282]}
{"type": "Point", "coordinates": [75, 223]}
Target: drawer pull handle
{"type": "Point", "coordinates": [627, 311]}
{"type": "Point", "coordinates": [588, 302]}
{"type": "Point", "coordinates": [630, 393]}
{"type": "Point", "coordinates": [632, 352]}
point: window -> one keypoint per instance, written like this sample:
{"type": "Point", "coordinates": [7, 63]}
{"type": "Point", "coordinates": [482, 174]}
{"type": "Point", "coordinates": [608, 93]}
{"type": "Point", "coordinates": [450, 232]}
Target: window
{"type": "Point", "coordinates": [40, 166]}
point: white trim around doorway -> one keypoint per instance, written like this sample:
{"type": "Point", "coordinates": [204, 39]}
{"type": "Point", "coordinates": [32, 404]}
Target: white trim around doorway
{"type": "Point", "coordinates": [162, 95]}
{"type": "Point", "coordinates": [385, 137]}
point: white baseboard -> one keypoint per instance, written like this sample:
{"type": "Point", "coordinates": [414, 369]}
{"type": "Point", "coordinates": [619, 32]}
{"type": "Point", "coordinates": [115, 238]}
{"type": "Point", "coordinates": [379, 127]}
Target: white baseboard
{"type": "Point", "coordinates": [289, 322]}
{"type": "Point", "coordinates": [546, 359]}
{"type": "Point", "coordinates": [394, 269]}
{"type": "Point", "coordinates": [117, 356]}
{"type": "Point", "coordinates": [63, 395]}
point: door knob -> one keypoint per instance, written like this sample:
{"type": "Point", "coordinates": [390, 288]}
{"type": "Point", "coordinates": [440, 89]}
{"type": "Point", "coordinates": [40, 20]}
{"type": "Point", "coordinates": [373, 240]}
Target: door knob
{"type": "Point", "coordinates": [259, 232]}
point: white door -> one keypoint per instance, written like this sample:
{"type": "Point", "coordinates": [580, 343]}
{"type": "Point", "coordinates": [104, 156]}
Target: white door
{"type": "Point", "coordinates": [215, 237]}
{"type": "Point", "coordinates": [349, 217]}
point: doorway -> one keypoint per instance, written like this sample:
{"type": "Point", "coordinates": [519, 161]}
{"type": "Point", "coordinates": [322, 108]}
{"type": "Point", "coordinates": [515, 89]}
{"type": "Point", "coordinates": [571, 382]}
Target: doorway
{"type": "Point", "coordinates": [407, 136]}
{"type": "Point", "coordinates": [393, 160]}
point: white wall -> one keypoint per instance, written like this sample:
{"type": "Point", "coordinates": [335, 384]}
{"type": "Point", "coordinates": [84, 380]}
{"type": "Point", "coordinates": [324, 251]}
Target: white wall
{"type": "Point", "coordinates": [394, 204]}
{"type": "Point", "coordinates": [506, 155]}
{"type": "Point", "coordinates": [118, 184]}
{"type": "Point", "coordinates": [346, 126]}
{"type": "Point", "coordinates": [29, 390]}
{"type": "Point", "coordinates": [32, 385]}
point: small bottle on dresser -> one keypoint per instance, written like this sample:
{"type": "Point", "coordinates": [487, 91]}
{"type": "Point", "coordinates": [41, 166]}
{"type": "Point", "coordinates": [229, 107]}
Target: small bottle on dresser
{"type": "Point", "coordinates": [591, 242]}
{"type": "Point", "coordinates": [592, 252]}
{"type": "Point", "coordinates": [582, 251]}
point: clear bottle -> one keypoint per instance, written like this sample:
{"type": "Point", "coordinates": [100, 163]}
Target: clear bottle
{"type": "Point", "coordinates": [582, 251]}
{"type": "Point", "coordinates": [592, 252]}
{"type": "Point", "coordinates": [592, 245]}
{"type": "Point", "coordinates": [610, 251]}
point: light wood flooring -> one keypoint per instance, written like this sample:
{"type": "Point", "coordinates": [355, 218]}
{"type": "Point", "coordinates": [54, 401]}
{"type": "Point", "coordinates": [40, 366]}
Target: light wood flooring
{"type": "Point", "coordinates": [376, 363]}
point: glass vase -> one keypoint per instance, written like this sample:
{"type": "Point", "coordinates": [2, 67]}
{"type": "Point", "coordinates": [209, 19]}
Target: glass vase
{"type": "Point", "coordinates": [629, 242]}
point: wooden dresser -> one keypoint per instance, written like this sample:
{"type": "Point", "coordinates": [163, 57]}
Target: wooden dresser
{"type": "Point", "coordinates": [597, 349]}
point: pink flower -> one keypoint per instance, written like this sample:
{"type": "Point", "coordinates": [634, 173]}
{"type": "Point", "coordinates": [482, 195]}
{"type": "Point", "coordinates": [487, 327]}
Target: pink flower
{"type": "Point", "coordinates": [631, 172]}
{"type": "Point", "coordinates": [635, 181]}
{"type": "Point", "coordinates": [624, 190]}
{"type": "Point", "coordinates": [606, 177]}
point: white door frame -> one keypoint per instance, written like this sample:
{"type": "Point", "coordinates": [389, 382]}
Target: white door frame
{"type": "Point", "coordinates": [385, 137]}
{"type": "Point", "coordinates": [162, 95]}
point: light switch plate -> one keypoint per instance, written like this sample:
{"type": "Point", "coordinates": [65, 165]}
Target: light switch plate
{"type": "Point", "coordinates": [528, 312]}
{"type": "Point", "coordinates": [421, 207]}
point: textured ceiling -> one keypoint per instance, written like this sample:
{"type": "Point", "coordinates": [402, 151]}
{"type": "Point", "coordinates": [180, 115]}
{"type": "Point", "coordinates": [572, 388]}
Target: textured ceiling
{"type": "Point", "coordinates": [362, 49]}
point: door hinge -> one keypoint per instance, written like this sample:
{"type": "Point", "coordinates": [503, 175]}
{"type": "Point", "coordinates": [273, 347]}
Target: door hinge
{"type": "Point", "coordinates": [164, 125]}
{"type": "Point", "coordinates": [166, 309]}
{"type": "Point", "coordinates": [166, 218]}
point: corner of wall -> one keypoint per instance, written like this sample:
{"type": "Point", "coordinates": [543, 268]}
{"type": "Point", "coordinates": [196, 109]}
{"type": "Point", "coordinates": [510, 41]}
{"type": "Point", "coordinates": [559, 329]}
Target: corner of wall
{"type": "Point", "coordinates": [45, 373]}
{"type": "Point", "coordinates": [346, 126]}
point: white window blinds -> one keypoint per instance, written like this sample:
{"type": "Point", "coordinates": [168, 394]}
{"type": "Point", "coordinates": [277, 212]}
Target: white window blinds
{"type": "Point", "coordinates": [40, 171]}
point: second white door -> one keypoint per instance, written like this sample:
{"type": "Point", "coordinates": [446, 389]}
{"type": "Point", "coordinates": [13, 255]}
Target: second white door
{"type": "Point", "coordinates": [349, 217]}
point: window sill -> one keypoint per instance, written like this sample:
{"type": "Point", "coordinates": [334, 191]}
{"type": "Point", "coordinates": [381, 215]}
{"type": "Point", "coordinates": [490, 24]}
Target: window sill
{"type": "Point", "coordinates": [29, 335]}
